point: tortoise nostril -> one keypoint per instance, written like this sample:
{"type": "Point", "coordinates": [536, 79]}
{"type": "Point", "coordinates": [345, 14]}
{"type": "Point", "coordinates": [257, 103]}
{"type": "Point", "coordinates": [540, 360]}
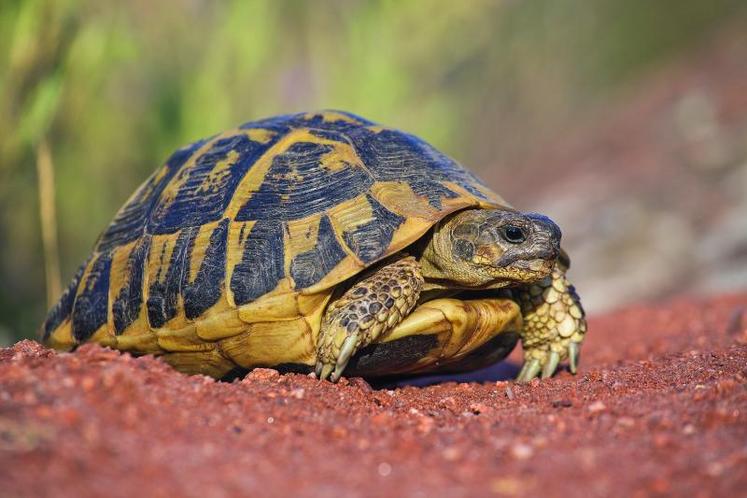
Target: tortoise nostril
{"type": "Point", "coordinates": [545, 224]}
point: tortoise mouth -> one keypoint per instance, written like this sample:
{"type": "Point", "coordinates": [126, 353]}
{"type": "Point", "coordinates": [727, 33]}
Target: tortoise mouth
{"type": "Point", "coordinates": [521, 276]}
{"type": "Point", "coordinates": [533, 268]}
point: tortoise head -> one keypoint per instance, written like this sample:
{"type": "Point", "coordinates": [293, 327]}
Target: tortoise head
{"type": "Point", "coordinates": [489, 248]}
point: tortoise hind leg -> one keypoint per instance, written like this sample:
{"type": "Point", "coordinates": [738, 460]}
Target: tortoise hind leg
{"type": "Point", "coordinates": [444, 335]}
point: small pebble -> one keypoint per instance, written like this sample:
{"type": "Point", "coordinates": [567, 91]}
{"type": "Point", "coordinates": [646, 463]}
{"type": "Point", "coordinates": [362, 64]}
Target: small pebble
{"type": "Point", "coordinates": [426, 424]}
{"type": "Point", "coordinates": [506, 486]}
{"type": "Point", "coordinates": [88, 383]}
{"type": "Point", "coordinates": [522, 451]}
{"type": "Point", "coordinates": [263, 374]}
{"type": "Point", "coordinates": [597, 406]}
{"type": "Point", "coordinates": [715, 469]}
{"type": "Point", "coordinates": [384, 469]}
{"type": "Point", "coordinates": [626, 422]}
{"type": "Point", "coordinates": [451, 453]}
{"type": "Point", "coordinates": [361, 384]}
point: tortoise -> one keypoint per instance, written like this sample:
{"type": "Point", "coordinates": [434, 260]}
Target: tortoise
{"type": "Point", "coordinates": [323, 242]}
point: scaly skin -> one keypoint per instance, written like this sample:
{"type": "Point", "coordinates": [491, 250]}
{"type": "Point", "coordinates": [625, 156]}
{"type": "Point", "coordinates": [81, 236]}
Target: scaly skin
{"type": "Point", "coordinates": [372, 307]}
{"type": "Point", "coordinates": [554, 325]}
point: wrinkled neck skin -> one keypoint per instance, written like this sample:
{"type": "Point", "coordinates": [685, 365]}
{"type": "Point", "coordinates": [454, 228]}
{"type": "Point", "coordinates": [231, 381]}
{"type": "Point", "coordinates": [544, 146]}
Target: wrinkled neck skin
{"type": "Point", "coordinates": [447, 273]}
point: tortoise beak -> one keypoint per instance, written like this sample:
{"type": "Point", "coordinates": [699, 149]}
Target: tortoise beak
{"type": "Point", "coordinates": [546, 237]}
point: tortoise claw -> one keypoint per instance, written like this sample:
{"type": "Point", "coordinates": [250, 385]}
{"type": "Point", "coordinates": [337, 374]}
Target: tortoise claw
{"type": "Point", "coordinates": [529, 371]}
{"type": "Point", "coordinates": [325, 371]}
{"type": "Point", "coordinates": [551, 365]}
{"type": "Point", "coordinates": [333, 371]}
{"type": "Point", "coordinates": [573, 354]}
{"type": "Point", "coordinates": [523, 371]}
{"type": "Point", "coordinates": [346, 351]}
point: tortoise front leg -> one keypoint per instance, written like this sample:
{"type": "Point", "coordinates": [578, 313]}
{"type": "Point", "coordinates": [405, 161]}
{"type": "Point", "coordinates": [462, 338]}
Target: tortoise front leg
{"type": "Point", "coordinates": [554, 325]}
{"type": "Point", "coordinates": [370, 308]}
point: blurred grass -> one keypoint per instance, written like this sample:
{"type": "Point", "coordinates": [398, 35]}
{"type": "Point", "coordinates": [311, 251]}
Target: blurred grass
{"type": "Point", "coordinates": [113, 87]}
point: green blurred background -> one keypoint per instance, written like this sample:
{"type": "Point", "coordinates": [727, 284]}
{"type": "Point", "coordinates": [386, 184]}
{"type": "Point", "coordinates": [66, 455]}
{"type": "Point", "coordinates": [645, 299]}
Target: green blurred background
{"type": "Point", "coordinates": [624, 120]}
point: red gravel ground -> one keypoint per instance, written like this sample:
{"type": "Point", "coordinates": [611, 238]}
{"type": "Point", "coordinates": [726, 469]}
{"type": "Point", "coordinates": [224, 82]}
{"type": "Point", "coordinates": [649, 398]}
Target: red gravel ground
{"type": "Point", "coordinates": [659, 408]}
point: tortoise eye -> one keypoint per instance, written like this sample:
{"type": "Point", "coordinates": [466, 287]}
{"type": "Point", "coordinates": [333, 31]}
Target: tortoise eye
{"type": "Point", "coordinates": [514, 234]}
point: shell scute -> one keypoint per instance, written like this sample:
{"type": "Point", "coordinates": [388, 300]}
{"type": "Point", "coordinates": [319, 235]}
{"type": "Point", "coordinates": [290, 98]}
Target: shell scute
{"type": "Point", "coordinates": [372, 236]}
{"type": "Point", "coordinates": [309, 267]}
{"type": "Point", "coordinates": [296, 186]}
{"type": "Point", "coordinates": [203, 288]}
{"type": "Point", "coordinates": [262, 263]}
{"type": "Point", "coordinates": [129, 295]}
{"type": "Point", "coordinates": [90, 311]}
{"type": "Point", "coordinates": [166, 281]}
{"type": "Point", "coordinates": [201, 192]}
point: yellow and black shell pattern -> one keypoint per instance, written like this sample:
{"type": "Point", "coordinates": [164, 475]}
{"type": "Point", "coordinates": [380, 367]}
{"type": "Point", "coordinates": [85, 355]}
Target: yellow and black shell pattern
{"type": "Point", "coordinates": [257, 225]}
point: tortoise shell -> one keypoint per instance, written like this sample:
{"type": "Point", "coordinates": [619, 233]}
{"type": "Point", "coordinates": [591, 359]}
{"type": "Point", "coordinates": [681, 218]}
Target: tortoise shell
{"type": "Point", "coordinates": [233, 247]}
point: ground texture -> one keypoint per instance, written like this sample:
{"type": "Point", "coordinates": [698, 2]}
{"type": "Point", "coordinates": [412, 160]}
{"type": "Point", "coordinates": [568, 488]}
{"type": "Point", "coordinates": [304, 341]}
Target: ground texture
{"type": "Point", "coordinates": [659, 408]}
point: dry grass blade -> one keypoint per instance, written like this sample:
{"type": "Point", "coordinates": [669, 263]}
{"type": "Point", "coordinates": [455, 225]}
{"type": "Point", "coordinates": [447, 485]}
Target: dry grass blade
{"type": "Point", "coordinates": [45, 172]}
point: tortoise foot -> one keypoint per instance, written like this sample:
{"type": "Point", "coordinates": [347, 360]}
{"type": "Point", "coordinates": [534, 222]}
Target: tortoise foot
{"type": "Point", "coordinates": [544, 363]}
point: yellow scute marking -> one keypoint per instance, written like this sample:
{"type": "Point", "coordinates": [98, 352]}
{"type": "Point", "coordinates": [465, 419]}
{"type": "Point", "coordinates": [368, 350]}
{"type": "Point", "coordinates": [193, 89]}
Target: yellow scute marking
{"type": "Point", "coordinates": [399, 198]}
{"type": "Point", "coordinates": [331, 117]}
{"type": "Point", "coordinates": [171, 190]}
{"type": "Point", "coordinates": [267, 344]}
{"type": "Point", "coordinates": [199, 247]}
{"type": "Point", "coordinates": [222, 169]}
{"type": "Point", "coordinates": [341, 156]}
{"type": "Point", "coordinates": [119, 275]}
{"type": "Point", "coordinates": [300, 236]}
{"type": "Point", "coordinates": [185, 339]}
{"type": "Point", "coordinates": [347, 216]}
{"type": "Point", "coordinates": [494, 199]}
{"type": "Point", "coordinates": [260, 135]}
{"type": "Point", "coordinates": [159, 257]}
{"type": "Point", "coordinates": [61, 338]}
{"type": "Point", "coordinates": [214, 324]}
{"type": "Point", "coordinates": [278, 304]}
{"type": "Point", "coordinates": [210, 362]}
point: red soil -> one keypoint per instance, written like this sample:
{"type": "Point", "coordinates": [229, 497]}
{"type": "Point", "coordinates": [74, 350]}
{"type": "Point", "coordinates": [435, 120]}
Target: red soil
{"type": "Point", "coordinates": [659, 408]}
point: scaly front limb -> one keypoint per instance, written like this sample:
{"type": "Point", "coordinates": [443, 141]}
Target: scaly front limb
{"type": "Point", "coordinates": [554, 325]}
{"type": "Point", "coordinates": [370, 308]}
